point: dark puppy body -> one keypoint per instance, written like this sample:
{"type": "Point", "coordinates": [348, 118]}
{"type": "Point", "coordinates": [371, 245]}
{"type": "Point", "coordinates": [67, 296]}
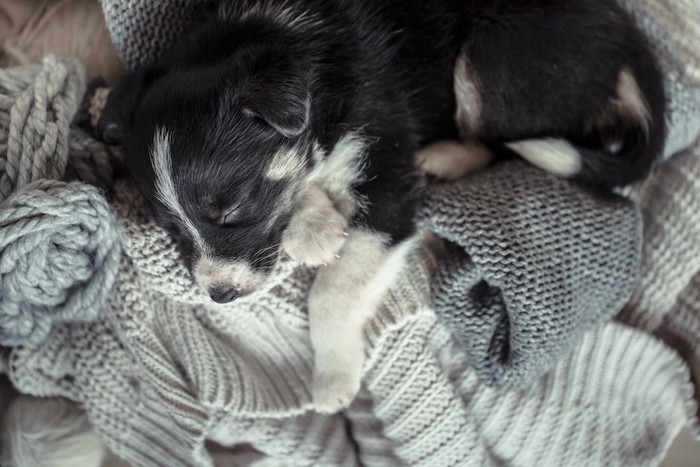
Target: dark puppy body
{"type": "Point", "coordinates": [263, 74]}
{"type": "Point", "coordinates": [218, 91]}
{"type": "Point", "coordinates": [573, 69]}
{"type": "Point", "coordinates": [286, 123]}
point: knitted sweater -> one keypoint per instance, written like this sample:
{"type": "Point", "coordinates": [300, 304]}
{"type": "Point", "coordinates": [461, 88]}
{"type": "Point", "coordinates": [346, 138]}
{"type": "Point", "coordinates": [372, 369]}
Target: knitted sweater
{"type": "Point", "coordinates": [164, 370]}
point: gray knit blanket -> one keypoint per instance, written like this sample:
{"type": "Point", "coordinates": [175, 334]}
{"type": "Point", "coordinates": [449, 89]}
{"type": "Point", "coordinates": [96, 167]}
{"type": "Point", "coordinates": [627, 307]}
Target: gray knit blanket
{"type": "Point", "coordinates": [535, 265]}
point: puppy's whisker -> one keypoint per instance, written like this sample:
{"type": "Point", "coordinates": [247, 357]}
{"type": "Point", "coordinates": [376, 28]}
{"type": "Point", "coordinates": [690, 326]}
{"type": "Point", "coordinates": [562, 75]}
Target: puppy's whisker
{"type": "Point", "coordinates": [261, 252]}
{"type": "Point", "coordinates": [265, 258]}
{"type": "Point", "coordinates": [266, 253]}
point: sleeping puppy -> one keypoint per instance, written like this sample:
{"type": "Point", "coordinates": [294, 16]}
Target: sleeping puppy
{"type": "Point", "coordinates": [292, 126]}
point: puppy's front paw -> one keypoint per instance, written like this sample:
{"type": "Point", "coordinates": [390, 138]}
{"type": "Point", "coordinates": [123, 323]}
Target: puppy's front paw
{"type": "Point", "coordinates": [316, 232]}
{"type": "Point", "coordinates": [334, 391]}
{"type": "Point", "coordinates": [451, 160]}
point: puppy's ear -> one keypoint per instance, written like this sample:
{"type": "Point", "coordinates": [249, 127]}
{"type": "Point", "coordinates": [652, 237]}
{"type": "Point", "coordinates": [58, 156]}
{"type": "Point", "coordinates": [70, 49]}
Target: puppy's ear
{"type": "Point", "coordinates": [121, 104]}
{"type": "Point", "coordinates": [277, 92]}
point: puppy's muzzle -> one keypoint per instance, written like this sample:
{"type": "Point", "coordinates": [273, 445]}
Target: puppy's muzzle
{"type": "Point", "coordinates": [226, 280]}
{"type": "Point", "coordinates": [224, 293]}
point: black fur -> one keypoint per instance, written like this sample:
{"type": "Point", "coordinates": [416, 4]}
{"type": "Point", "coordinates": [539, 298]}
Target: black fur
{"type": "Point", "coordinates": [234, 90]}
{"type": "Point", "coordinates": [548, 67]}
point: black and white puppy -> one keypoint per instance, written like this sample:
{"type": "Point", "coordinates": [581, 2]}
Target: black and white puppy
{"type": "Point", "coordinates": [293, 125]}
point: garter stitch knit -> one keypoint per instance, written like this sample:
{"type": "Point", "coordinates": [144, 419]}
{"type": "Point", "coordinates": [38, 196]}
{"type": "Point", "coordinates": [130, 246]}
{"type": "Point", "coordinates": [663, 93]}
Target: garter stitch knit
{"type": "Point", "coordinates": [163, 370]}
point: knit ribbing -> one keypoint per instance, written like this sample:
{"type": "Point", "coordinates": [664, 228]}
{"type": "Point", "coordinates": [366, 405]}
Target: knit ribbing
{"type": "Point", "coordinates": [617, 399]}
{"type": "Point", "coordinates": [672, 239]}
{"type": "Point", "coordinates": [680, 329]}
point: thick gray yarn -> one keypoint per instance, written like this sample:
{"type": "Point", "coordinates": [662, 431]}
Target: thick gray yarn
{"type": "Point", "coordinates": [59, 241]}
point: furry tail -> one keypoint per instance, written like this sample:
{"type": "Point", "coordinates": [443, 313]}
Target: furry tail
{"type": "Point", "coordinates": [50, 432]}
{"type": "Point", "coordinates": [600, 168]}
{"type": "Point", "coordinates": [619, 148]}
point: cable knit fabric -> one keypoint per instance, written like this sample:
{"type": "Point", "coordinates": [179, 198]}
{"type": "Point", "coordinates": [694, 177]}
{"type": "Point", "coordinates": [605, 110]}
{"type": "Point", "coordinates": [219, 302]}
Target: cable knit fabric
{"type": "Point", "coordinates": [59, 245]}
{"type": "Point", "coordinates": [170, 379]}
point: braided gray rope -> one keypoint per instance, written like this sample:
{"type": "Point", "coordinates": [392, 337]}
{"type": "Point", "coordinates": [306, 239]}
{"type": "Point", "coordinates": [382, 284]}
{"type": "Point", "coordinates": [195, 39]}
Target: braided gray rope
{"type": "Point", "coordinates": [36, 107]}
{"type": "Point", "coordinates": [59, 242]}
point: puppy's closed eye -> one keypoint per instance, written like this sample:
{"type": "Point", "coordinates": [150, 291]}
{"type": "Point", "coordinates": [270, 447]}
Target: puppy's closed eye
{"type": "Point", "coordinates": [239, 216]}
{"type": "Point", "coordinates": [231, 216]}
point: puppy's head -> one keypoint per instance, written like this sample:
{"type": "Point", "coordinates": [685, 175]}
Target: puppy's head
{"type": "Point", "coordinates": [220, 149]}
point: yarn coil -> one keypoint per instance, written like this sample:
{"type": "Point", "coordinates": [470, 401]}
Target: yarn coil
{"type": "Point", "coordinates": [59, 257]}
{"type": "Point", "coordinates": [59, 241]}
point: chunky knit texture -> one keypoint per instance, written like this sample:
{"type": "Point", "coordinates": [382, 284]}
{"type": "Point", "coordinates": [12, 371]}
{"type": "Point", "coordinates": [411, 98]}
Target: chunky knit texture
{"type": "Point", "coordinates": [142, 30]}
{"type": "Point", "coordinates": [59, 245]}
{"type": "Point", "coordinates": [163, 369]}
{"type": "Point", "coordinates": [537, 262]}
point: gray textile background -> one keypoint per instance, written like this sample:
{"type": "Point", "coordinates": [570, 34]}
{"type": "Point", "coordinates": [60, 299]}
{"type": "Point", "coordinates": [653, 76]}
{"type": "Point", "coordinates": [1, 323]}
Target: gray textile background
{"type": "Point", "coordinates": [563, 263]}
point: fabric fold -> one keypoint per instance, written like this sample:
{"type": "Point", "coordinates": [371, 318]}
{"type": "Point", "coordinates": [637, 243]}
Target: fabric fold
{"type": "Point", "coordinates": [534, 262]}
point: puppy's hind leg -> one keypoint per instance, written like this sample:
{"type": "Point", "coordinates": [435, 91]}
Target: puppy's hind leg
{"type": "Point", "coordinates": [344, 296]}
{"type": "Point", "coordinates": [452, 160]}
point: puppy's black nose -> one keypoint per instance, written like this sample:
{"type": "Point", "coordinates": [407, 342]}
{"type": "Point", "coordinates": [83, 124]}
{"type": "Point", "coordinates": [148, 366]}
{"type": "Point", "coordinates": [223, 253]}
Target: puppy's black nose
{"type": "Point", "coordinates": [224, 293]}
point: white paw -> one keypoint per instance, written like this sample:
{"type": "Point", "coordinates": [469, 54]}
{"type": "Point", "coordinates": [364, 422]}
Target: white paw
{"type": "Point", "coordinates": [451, 160]}
{"type": "Point", "coordinates": [334, 391]}
{"type": "Point", "coordinates": [315, 234]}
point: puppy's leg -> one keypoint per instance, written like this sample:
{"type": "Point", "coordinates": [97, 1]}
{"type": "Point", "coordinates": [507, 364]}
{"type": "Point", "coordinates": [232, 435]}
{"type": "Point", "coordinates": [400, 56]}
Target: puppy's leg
{"type": "Point", "coordinates": [451, 160]}
{"type": "Point", "coordinates": [317, 231]}
{"type": "Point", "coordinates": [344, 296]}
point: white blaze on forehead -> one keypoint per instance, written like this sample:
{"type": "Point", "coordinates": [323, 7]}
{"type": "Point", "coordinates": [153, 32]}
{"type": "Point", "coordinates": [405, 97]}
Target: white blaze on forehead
{"type": "Point", "coordinates": [213, 272]}
{"type": "Point", "coordinates": [287, 163]}
{"type": "Point", "coordinates": [165, 185]}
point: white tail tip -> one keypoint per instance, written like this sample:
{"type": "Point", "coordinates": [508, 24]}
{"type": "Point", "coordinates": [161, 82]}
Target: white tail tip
{"type": "Point", "coordinates": [553, 155]}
